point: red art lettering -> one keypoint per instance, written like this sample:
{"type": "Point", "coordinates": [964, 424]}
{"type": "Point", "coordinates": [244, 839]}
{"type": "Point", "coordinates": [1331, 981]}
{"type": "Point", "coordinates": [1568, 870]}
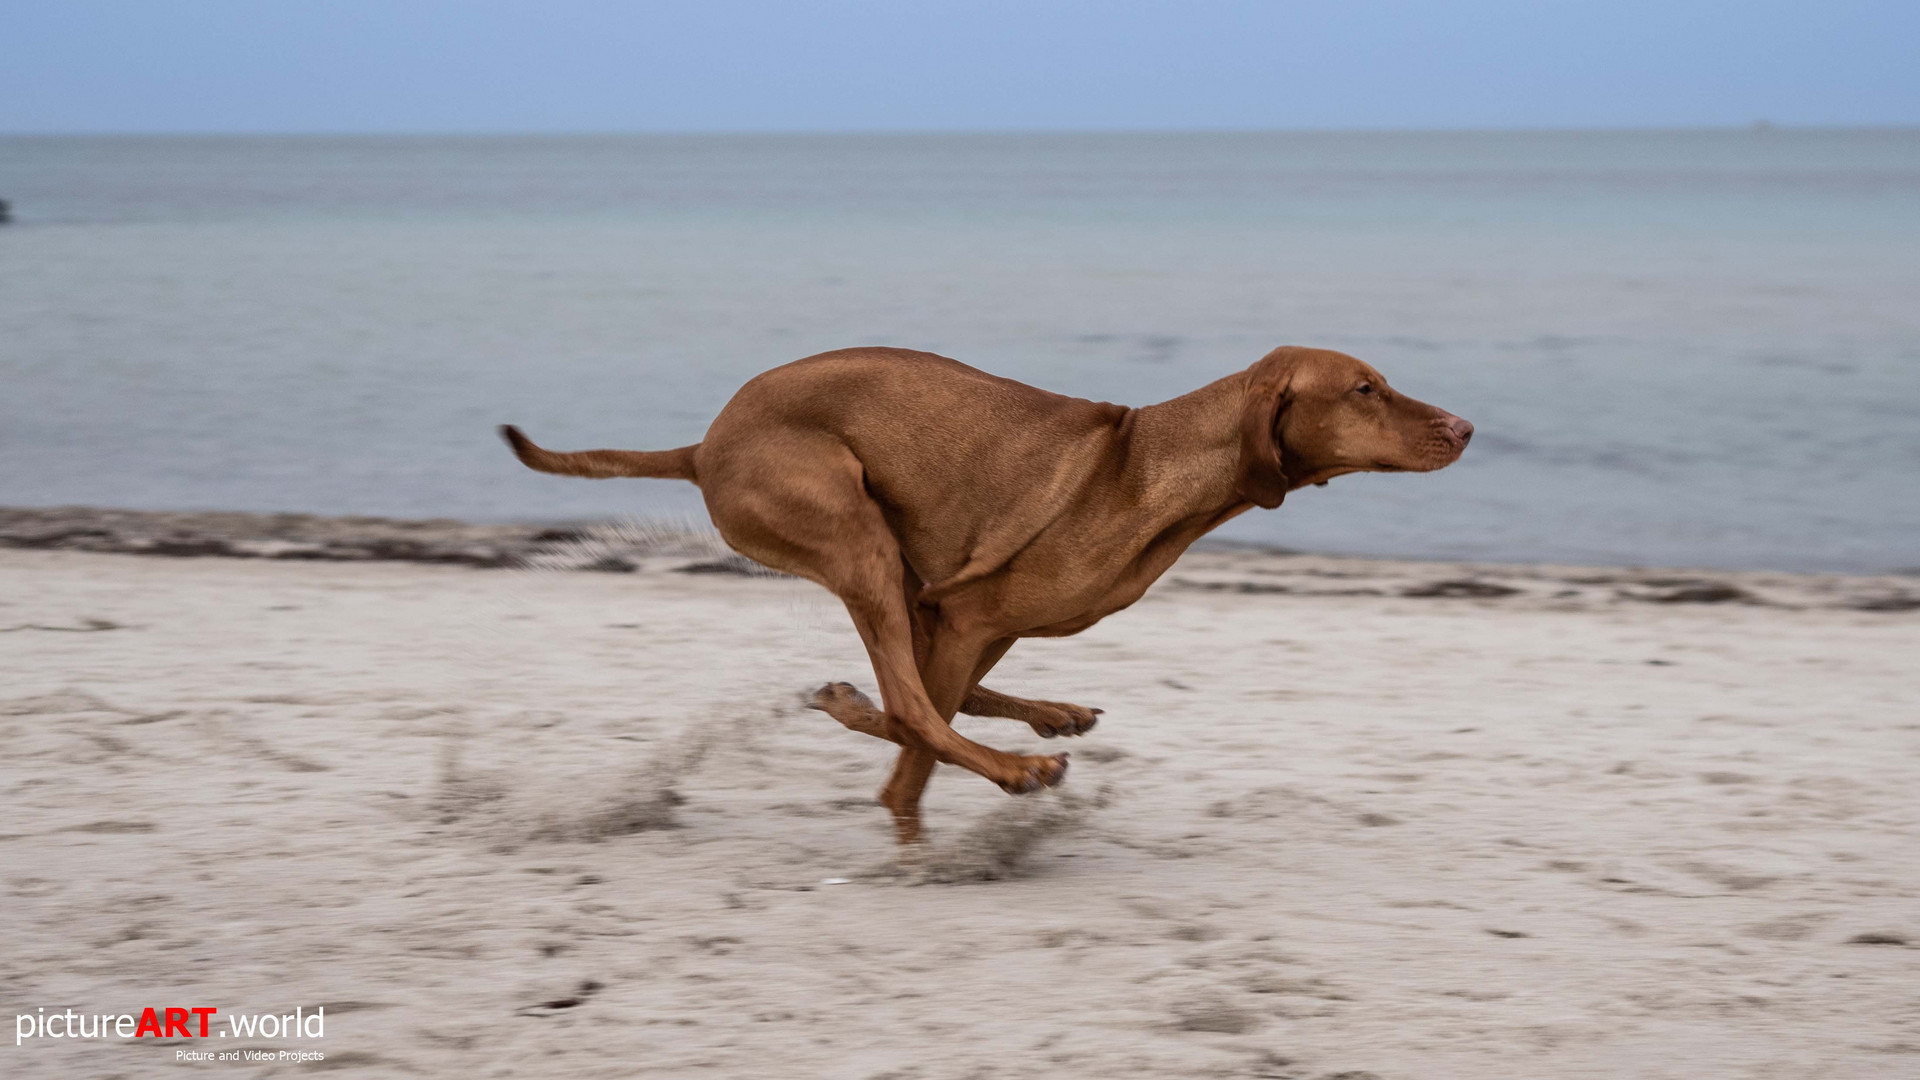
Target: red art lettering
{"type": "Point", "coordinates": [203, 1012]}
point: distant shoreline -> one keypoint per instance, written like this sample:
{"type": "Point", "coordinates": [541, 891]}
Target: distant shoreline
{"type": "Point", "coordinates": [1221, 566]}
{"type": "Point", "coordinates": [1753, 127]}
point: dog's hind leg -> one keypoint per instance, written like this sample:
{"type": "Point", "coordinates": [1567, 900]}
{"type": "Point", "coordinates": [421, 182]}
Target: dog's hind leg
{"type": "Point", "coordinates": [942, 654]}
{"type": "Point", "coordinates": [856, 711]}
{"type": "Point", "coordinates": [801, 505]}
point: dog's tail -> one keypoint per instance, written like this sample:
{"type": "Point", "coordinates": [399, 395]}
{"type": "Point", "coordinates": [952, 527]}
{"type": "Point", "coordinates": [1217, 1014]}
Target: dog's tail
{"type": "Point", "coordinates": [600, 464]}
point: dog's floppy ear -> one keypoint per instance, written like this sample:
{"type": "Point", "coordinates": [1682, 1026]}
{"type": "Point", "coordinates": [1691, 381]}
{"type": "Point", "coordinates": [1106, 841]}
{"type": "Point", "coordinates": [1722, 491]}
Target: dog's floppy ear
{"type": "Point", "coordinates": [1261, 477]}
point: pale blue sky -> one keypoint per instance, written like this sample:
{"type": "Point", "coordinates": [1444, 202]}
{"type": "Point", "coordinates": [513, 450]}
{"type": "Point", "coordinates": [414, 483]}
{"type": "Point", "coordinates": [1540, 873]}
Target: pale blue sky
{"type": "Point", "coordinates": [766, 65]}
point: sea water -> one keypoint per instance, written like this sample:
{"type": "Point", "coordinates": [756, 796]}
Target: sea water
{"type": "Point", "coordinates": [1678, 348]}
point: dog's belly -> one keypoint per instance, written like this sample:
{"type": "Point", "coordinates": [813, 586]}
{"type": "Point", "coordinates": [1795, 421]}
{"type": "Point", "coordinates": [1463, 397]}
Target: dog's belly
{"type": "Point", "coordinates": [1065, 580]}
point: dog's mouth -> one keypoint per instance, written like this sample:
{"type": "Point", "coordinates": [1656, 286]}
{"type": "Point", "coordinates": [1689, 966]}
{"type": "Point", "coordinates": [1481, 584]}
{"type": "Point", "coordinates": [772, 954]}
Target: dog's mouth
{"type": "Point", "coordinates": [1433, 457]}
{"type": "Point", "coordinates": [1441, 448]}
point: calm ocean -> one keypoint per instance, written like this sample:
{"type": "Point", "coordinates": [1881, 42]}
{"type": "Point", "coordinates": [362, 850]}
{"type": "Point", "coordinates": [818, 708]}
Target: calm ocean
{"type": "Point", "coordinates": [1685, 348]}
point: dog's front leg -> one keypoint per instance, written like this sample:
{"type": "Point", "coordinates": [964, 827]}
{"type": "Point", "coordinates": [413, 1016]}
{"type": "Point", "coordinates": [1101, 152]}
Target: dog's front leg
{"type": "Point", "coordinates": [855, 710]}
{"type": "Point", "coordinates": [1048, 719]}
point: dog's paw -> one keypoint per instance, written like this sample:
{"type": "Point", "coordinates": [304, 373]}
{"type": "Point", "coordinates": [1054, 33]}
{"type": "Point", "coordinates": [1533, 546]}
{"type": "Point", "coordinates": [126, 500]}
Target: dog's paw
{"type": "Point", "coordinates": [1051, 719]}
{"type": "Point", "coordinates": [838, 696]}
{"type": "Point", "coordinates": [853, 709]}
{"type": "Point", "coordinates": [1033, 773]}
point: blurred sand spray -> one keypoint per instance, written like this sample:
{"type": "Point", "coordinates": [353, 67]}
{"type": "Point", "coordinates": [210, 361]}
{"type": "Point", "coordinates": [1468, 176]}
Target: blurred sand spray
{"type": "Point", "coordinates": [511, 810]}
{"type": "Point", "coordinates": [996, 847]}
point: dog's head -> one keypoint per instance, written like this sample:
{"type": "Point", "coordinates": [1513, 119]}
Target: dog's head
{"type": "Point", "coordinates": [1310, 415]}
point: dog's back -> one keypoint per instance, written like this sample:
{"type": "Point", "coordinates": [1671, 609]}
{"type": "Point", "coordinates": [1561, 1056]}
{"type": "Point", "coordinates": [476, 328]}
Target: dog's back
{"type": "Point", "coordinates": [947, 449]}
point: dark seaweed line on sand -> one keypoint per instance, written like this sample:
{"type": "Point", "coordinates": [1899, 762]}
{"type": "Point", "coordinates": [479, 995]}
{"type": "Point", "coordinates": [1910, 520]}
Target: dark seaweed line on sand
{"type": "Point", "coordinates": [618, 549]}
{"type": "Point", "coordinates": [316, 538]}
{"type": "Point", "coordinates": [293, 537]}
{"type": "Point", "coordinates": [1576, 591]}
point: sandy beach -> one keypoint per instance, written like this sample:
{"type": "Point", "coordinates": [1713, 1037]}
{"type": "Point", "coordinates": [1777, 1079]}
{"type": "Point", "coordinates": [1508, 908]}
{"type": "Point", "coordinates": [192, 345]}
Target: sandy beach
{"type": "Point", "coordinates": [1341, 818]}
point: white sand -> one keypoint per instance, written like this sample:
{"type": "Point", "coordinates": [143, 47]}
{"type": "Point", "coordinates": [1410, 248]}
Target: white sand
{"type": "Point", "coordinates": [1421, 838]}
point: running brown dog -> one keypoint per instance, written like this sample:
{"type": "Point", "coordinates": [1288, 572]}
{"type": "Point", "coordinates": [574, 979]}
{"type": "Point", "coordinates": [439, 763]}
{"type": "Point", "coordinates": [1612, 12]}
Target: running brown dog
{"type": "Point", "coordinates": [954, 512]}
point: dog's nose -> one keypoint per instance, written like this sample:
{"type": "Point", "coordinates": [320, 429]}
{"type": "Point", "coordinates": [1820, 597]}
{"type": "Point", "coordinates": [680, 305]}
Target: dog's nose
{"type": "Point", "coordinates": [1461, 430]}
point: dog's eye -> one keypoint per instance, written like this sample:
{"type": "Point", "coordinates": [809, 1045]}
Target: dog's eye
{"type": "Point", "coordinates": [1363, 388]}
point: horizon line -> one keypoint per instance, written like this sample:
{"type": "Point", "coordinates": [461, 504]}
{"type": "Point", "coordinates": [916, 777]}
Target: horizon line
{"type": "Point", "coordinates": [1753, 127]}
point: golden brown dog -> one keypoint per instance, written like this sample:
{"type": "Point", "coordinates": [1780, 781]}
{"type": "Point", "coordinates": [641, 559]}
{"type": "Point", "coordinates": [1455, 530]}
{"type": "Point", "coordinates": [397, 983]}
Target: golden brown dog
{"type": "Point", "coordinates": [954, 512]}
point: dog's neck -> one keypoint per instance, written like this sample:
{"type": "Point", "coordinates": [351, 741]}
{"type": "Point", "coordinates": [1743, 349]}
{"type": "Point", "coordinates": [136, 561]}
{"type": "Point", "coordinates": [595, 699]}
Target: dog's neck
{"type": "Point", "coordinates": [1173, 465]}
{"type": "Point", "coordinates": [1181, 454]}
